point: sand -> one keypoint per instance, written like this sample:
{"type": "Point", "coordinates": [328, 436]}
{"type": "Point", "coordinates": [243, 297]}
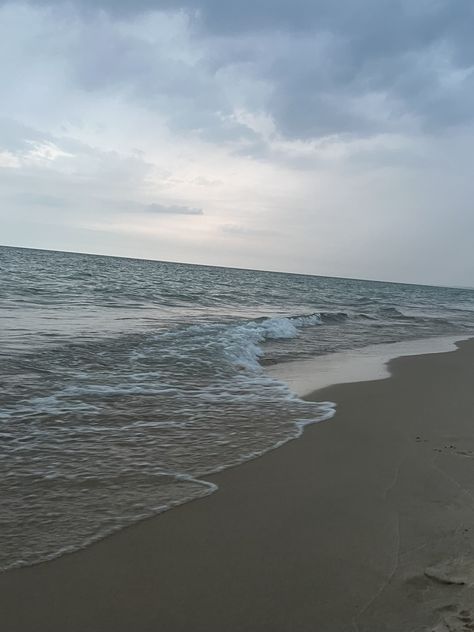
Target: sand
{"type": "Point", "coordinates": [366, 523]}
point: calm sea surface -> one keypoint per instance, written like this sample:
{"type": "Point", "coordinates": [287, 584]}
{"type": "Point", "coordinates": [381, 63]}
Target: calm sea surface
{"type": "Point", "coordinates": [123, 383]}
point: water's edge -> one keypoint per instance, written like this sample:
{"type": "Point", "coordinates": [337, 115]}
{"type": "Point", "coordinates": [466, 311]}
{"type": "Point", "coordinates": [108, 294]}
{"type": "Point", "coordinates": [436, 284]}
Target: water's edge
{"type": "Point", "coordinates": [305, 378]}
{"type": "Point", "coordinates": [308, 376]}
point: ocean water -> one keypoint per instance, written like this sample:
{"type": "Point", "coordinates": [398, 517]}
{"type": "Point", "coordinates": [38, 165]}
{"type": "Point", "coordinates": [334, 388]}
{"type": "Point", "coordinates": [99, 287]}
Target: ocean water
{"type": "Point", "coordinates": [124, 383]}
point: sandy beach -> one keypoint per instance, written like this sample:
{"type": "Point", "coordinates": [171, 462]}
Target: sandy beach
{"type": "Point", "coordinates": [366, 523]}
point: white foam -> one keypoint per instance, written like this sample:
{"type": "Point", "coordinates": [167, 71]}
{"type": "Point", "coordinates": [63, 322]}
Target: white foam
{"type": "Point", "coordinates": [358, 365]}
{"type": "Point", "coordinates": [242, 343]}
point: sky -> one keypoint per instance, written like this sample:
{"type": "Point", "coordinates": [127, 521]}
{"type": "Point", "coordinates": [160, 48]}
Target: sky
{"type": "Point", "coordinates": [314, 136]}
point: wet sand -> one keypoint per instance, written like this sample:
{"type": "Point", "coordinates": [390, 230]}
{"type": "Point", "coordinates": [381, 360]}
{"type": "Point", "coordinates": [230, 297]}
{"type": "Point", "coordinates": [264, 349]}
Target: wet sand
{"type": "Point", "coordinates": [366, 523]}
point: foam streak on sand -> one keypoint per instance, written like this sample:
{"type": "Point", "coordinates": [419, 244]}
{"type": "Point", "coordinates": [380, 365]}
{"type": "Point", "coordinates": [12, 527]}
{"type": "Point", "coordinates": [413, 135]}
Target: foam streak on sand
{"type": "Point", "coordinates": [359, 365]}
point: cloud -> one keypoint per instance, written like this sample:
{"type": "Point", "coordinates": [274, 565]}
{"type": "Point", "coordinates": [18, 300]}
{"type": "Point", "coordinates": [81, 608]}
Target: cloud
{"type": "Point", "coordinates": [161, 209]}
{"type": "Point", "coordinates": [57, 174]}
{"type": "Point", "coordinates": [27, 198]}
{"type": "Point", "coordinates": [238, 230]}
{"type": "Point", "coordinates": [14, 136]}
{"type": "Point", "coordinates": [316, 67]}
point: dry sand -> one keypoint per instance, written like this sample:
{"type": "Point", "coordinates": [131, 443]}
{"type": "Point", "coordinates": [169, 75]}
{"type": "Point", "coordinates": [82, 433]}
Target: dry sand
{"type": "Point", "coordinates": [364, 524]}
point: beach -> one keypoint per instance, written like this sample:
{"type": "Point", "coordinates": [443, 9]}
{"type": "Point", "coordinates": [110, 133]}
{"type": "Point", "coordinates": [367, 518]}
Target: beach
{"type": "Point", "coordinates": [365, 523]}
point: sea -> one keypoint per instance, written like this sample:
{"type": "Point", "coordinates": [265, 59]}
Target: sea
{"type": "Point", "coordinates": [125, 383]}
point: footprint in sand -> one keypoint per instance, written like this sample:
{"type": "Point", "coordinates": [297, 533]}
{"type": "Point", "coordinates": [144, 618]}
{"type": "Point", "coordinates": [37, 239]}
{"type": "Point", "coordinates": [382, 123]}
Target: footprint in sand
{"type": "Point", "coordinates": [456, 572]}
{"type": "Point", "coordinates": [461, 621]}
{"type": "Point", "coordinates": [453, 450]}
{"type": "Point", "coordinates": [459, 571]}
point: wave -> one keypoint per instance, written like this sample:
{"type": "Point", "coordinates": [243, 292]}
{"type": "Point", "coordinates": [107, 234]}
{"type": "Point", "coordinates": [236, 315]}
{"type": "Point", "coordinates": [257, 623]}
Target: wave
{"type": "Point", "coordinates": [242, 343]}
{"type": "Point", "coordinates": [159, 411]}
{"type": "Point", "coordinates": [136, 424]}
{"type": "Point", "coordinates": [393, 312]}
{"type": "Point", "coordinates": [334, 317]}
{"type": "Point", "coordinates": [313, 318]}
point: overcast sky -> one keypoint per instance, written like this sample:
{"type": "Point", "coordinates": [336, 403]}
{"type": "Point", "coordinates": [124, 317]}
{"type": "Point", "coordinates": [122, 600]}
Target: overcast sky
{"type": "Point", "coordinates": [313, 136]}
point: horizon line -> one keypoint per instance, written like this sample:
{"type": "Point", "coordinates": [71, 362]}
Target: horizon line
{"type": "Point", "coordinates": [208, 265]}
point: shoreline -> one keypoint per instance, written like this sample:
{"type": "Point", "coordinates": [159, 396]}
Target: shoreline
{"type": "Point", "coordinates": [304, 378]}
{"type": "Point", "coordinates": [346, 529]}
{"type": "Point", "coordinates": [363, 364]}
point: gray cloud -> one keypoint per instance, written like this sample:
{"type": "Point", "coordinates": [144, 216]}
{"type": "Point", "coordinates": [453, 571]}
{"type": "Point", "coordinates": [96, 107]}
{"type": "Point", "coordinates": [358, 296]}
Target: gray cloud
{"type": "Point", "coordinates": [413, 56]}
{"type": "Point", "coordinates": [377, 18]}
{"type": "Point", "coordinates": [161, 209]}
